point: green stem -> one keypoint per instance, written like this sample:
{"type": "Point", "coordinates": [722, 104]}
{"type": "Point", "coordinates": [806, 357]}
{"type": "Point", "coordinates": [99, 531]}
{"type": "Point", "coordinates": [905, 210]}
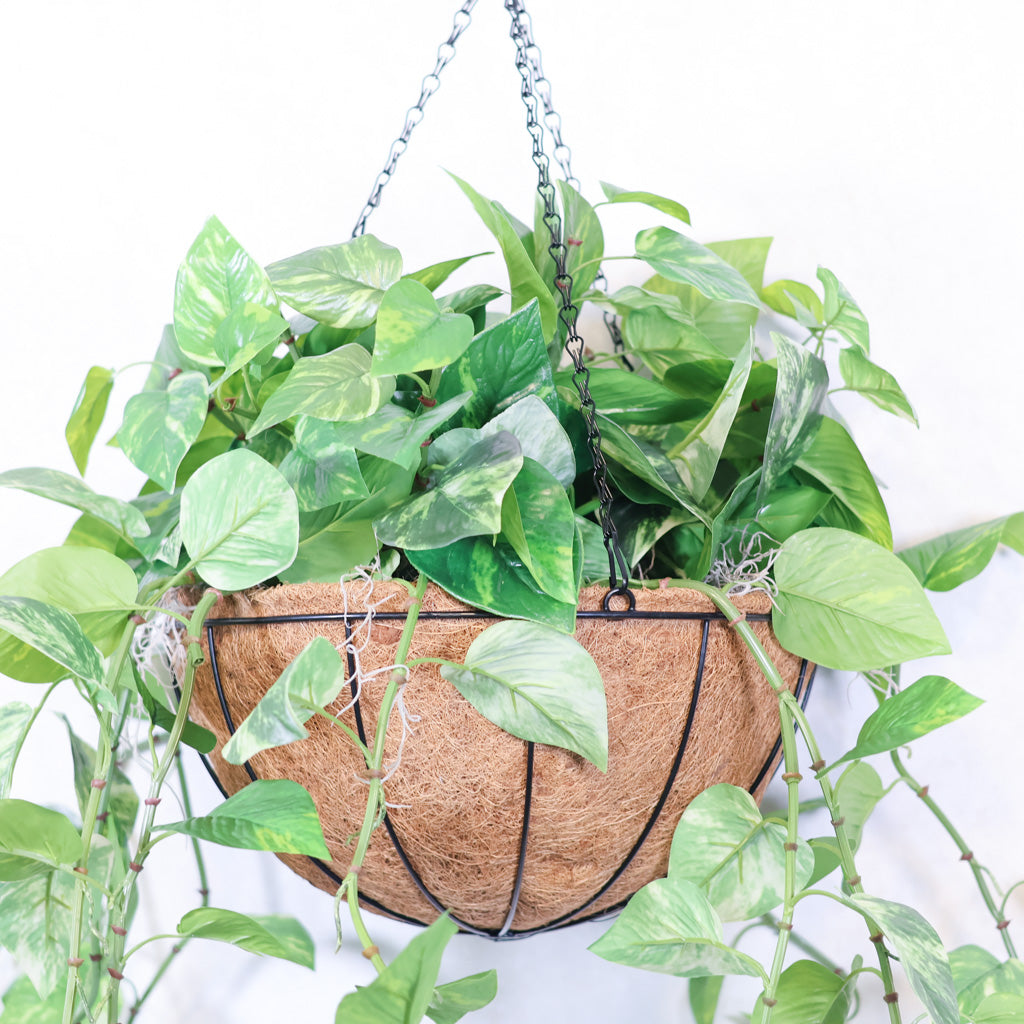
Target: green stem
{"type": "Point", "coordinates": [334, 720]}
{"type": "Point", "coordinates": [7, 780]}
{"type": "Point", "coordinates": [102, 771]}
{"type": "Point", "coordinates": [119, 906]}
{"type": "Point", "coordinates": [375, 798]}
{"type": "Point", "coordinates": [791, 713]}
{"type": "Point", "coordinates": [966, 854]}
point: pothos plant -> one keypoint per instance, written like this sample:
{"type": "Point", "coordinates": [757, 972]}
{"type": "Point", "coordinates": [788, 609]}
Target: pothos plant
{"type": "Point", "coordinates": [396, 429]}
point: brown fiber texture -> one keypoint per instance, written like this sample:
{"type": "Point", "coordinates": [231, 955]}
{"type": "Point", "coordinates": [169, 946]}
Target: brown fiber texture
{"type": "Point", "coordinates": [456, 799]}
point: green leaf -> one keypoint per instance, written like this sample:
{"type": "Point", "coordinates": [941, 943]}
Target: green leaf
{"type": "Point", "coordinates": [97, 588]}
{"type": "Point", "coordinates": [998, 1008]}
{"type": "Point", "coordinates": [53, 632]}
{"type": "Point", "coordinates": [723, 845]}
{"type": "Point", "coordinates": [14, 719]}
{"type": "Point", "coordinates": [796, 300]}
{"type": "Point", "coordinates": [270, 935]}
{"type": "Point", "coordinates": [968, 964]}
{"type": "Point", "coordinates": [801, 388]}
{"type": "Point", "coordinates": [584, 241]}
{"type": "Point", "coordinates": [502, 365]}
{"type": "Point", "coordinates": [314, 677]}
{"type": "Point", "coordinates": [647, 462]}
{"type": "Point", "coordinates": [239, 520]}
{"type": "Point", "coordinates": [1001, 979]}
{"type": "Point", "coordinates": [159, 427]}
{"type": "Point", "coordinates": [703, 995]}
{"type": "Point", "coordinates": [249, 333]}
{"type": "Point", "coordinates": [842, 314]}
{"type": "Point", "coordinates": [947, 561]}
{"type": "Point", "coordinates": [491, 576]}
{"type": "Point", "coordinates": [538, 521]}
{"type": "Point", "coordinates": [402, 993]}
{"type": "Point", "coordinates": [22, 1005]}
{"type": "Point", "coordinates": [394, 433]}
{"type": "Point", "coordinates": [928, 704]}
{"type": "Point", "coordinates": [847, 603]}
{"type": "Point", "coordinates": [465, 500]}
{"type": "Point", "coordinates": [217, 275]}
{"type": "Point", "coordinates": [540, 435]}
{"type": "Point", "coordinates": [321, 469]}
{"type": "Point", "coordinates": [835, 460]}
{"type": "Point", "coordinates": [87, 415]}
{"type": "Point", "coordinates": [614, 194]}
{"type": "Point", "coordinates": [789, 511]}
{"type": "Point", "coordinates": [34, 840]}
{"type": "Point", "coordinates": [339, 285]}
{"type": "Point", "coordinates": [808, 993]}
{"type": "Point", "coordinates": [921, 954]}
{"type": "Point", "coordinates": [696, 457]}
{"type": "Point", "coordinates": [413, 334]}
{"type": "Point", "coordinates": [436, 274]}
{"type": "Point", "coordinates": [681, 259]}
{"type": "Point", "coordinates": [335, 386]}
{"type": "Point", "coordinates": [538, 684]}
{"type": "Point", "coordinates": [69, 490]}
{"type": "Point", "coordinates": [451, 1002]}
{"type": "Point", "coordinates": [726, 325]}
{"type": "Point", "coordinates": [857, 792]}
{"type": "Point", "coordinates": [269, 814]}
{"type": "Point", "coordinates": [670, 927]}
{"type": "Point", "coordinates": [873, 382]}
{"type": "Point", "coordinates": [525, 283]}
{"type": "Point", "coordinates": [629, 399]}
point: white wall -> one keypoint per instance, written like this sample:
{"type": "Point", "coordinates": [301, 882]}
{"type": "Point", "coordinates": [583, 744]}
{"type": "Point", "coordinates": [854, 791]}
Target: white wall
{"type": "Point", "coordinates": [882, 140]}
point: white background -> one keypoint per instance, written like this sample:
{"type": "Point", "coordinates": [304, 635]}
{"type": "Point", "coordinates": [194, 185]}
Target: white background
{"type": "Point", "coordinates": [881, 140]}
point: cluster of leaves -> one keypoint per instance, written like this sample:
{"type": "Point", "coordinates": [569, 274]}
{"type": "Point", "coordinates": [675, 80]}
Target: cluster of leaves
{"type": "Point", "coordinates": [391, 422]}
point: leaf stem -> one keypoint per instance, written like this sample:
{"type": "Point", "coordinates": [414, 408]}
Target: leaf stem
{"type": "Point", "coordinates": [966, 854]}
{"type": "Point", "coordinates": [791, 713]}
{"type": "Point", "coordinates": [102, 770]}
{"type": "Point", "coordinates": [119, 905]}
{"type": "Point", "coordinates": [6, 781]}
{"type": "Point", "coordinates": [375, 799]}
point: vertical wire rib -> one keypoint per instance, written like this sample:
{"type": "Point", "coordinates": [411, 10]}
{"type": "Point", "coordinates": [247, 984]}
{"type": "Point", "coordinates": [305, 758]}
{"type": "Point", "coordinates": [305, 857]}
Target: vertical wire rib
{"type": "Point", "coordinates": [517, 887]}
{"type": "Point", "coordinates": [388, 826]}
{"type": "Point", "coordinates": [656, 813]}
{"type": "Point", "coordinates": [801, 695]}
{"type": "Point", "coordinates": [228, 720]}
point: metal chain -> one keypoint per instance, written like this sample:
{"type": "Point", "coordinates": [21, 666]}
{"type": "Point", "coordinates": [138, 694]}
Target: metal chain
{"type": "Point", "coordinates": [562, 155]}
{"type": "Point", "coordinates": [431, 83]}
{"type": "Point", "coordinates": [618, 575]}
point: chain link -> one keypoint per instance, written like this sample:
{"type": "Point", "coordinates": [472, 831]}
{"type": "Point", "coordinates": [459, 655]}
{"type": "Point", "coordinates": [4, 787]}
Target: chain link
{"type": "Point", "coordinates": [562, 154]}
{"type": "Point", "coordinates": [618, 568]}
{"type": "Point", "coordinates": [431, 83]}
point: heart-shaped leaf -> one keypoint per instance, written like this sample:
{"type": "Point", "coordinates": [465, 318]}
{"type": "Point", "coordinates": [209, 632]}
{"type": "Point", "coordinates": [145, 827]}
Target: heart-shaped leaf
{"type": "Point", "coordinates": [465, 500]}
{"type": "Point", "coordinates": [269, 814]}
{"type": "Point", "coordinates": [335, 386]}
{"type": "Point", "coordinates": [339, 285]}
{"type": "Point", "coordinates": [847, 603]}
{"type": "Point", "coordinates": [269, 935]}
{"type": "Point", "coordinates": [723, 844]}
{"type": "Point", "coordinates": [314, 677]}
{"type": "Point", "coordinates": [87, 415]}
{"type": "Point", "coordinates": [538, 684]}
{"type": "Point", "coordinates": [239, 520]}
{"type": "Point", "coordinates": [159, 427]}
{"type": "Point", "coordinates": [34, 840]}
{"type": "Point", "coordinates": [217, 275]}
{"type": "Point", "coordinates": [679, 258]}
{"type": "Point", "coordinates": [670, 927]}
{"type": "Point", "coordinates": [413, 334]}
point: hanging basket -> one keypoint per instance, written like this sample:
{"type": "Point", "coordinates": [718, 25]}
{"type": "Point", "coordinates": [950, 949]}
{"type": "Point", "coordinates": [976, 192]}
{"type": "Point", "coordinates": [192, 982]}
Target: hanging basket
{"type": "Point", "coordinates": [511, 837]}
